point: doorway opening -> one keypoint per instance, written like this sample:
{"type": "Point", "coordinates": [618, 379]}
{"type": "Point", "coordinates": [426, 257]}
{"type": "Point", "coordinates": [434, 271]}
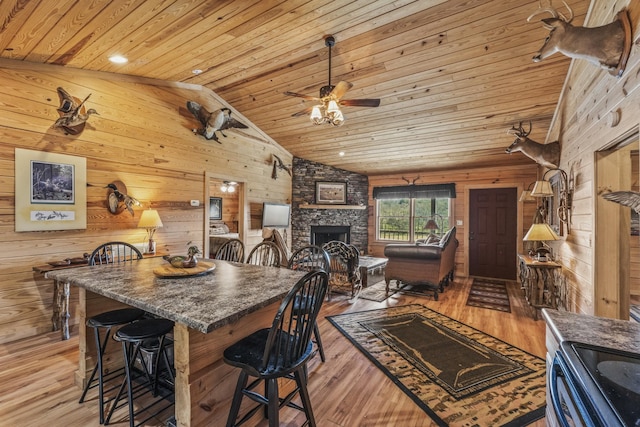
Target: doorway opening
{"type": "Point", "coordinates": [617, 263]}
{"type": "Point", "coordinates": [224, 211]}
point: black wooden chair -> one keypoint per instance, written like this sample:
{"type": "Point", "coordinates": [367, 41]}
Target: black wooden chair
{"type": "Point", "coordinates": [109, 253]}
{"type": "Point", "coordinates": [312, 258]}
{"type": "Point", "coordinates": [344, 260]}
{"type": "Point", "coordinates": [113, 253]}
{"type": "Point", "coordinates": [232, 250]}
{"type": "Point", "coordinates": [281, 351]}
{"type": "Point", "coordinates": [266, 254]}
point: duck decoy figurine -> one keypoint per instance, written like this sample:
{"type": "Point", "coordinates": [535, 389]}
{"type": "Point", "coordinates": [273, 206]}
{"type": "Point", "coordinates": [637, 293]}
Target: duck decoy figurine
{"type": "Point", "coordinates": [116, 197]}
{"type": "Point", "coordinates": [213, 122]}
{"type": "Point", "coordinates": [625, 198]}
{"type": "Point", "coordinates": [279, 164]}
{"type": "Point", "coordinates": [73, 114]}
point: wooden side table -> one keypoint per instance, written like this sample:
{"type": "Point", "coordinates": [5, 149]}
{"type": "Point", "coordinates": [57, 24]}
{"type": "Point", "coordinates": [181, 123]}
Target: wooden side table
{"type": "Point", "coordinates": [61, 292]}
{"type": "Point", "coordinates": [540, 281]}
{"type": "Point", "coordinates": [369, 264]}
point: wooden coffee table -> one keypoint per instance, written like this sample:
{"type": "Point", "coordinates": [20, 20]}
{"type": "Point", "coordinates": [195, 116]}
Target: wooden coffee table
{"type": "Point", "coordinates": [369, 265]}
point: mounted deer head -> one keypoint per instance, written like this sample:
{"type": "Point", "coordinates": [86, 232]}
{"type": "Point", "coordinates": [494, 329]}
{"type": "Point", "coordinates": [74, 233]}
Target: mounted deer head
{"type": "Point", "coordinates": [607, 46]}
{"type": "Point", "coordinates": [547, 155]}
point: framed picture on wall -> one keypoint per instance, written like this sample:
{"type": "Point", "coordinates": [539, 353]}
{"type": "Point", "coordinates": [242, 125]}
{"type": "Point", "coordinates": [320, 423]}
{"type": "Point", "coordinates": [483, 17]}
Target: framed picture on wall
{"type": "Point", "coordinates": [50, 191]}
{"type": "Point", "coordinates": [215, 208]}
{"type": "Point", "coordinates": [331, 193]}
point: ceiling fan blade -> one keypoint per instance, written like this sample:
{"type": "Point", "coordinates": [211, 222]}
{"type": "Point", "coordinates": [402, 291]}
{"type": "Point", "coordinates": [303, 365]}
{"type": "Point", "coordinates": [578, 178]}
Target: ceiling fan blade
{"type": "Point", "coordinates": [340, 89]}
{"type": "Point", "coordinates": [360, 102]}
{"type": "Point", "coordinates": [299, 95]}
{"type": "Point", "coordinates": [304, 112]}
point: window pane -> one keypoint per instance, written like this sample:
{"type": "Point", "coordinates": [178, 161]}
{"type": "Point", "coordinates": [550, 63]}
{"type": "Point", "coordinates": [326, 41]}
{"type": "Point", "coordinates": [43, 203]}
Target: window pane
{"type": "Point", "coordinates": [394, 219]}
{"type": "Point", "coordinates": [442, 208]}
{"type": "Point", "coordinates": [422, 208]}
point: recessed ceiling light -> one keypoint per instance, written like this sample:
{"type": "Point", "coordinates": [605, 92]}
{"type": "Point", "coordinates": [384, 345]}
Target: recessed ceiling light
{"type": "Point", "coordinates": [118, 59]}
{"type": "Point", "coordinates": [196, 72]}
{"type": "Point", "coordinates": [341, 153]}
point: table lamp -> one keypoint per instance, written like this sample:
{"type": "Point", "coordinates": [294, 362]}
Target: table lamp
{"type": "Point", "coordinates": [151, 221]}
{"type": "Point", "coordinates": [432, 224]}
{"type": "Point", "coordinates": [541, 232]}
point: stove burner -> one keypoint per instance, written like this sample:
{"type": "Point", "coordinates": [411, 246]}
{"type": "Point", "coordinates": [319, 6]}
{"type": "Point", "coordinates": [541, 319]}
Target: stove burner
{"type": "Point", "coordinates": [624, 374]}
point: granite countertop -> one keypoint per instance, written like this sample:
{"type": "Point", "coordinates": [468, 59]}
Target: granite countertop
{"type": "Point", "coordinates": [203, 303]}
{"type": "Point", "coordinates": [617, 334]}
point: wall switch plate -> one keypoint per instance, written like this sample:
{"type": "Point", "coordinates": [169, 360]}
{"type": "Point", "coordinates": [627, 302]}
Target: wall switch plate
{"type": "Point", "coordinates": [195, 203]}
{"type": "Point", "coordinates": [458, 222]}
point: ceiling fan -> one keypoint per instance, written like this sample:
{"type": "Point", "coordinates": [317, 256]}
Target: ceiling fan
{"type": "Point", "coordinates": [328, 110]}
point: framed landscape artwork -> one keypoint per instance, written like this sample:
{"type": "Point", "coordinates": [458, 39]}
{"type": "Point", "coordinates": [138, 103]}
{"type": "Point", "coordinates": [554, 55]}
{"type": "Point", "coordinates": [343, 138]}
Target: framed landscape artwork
{"type": "Point", "coordinates": [50, 191]}
{"type": "Point", "coordinates": [331, 193]}
{"type": "Point", "coordinates": [215, 207]}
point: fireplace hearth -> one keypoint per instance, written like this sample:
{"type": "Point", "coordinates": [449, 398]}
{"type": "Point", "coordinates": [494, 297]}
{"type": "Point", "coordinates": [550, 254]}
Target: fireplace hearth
{"type": "Point", "coordinates": [321, 234]}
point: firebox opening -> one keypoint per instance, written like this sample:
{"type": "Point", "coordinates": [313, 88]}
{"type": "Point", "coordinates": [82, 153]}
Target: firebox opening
{"type": "Point", "coordinates": [321, 234]}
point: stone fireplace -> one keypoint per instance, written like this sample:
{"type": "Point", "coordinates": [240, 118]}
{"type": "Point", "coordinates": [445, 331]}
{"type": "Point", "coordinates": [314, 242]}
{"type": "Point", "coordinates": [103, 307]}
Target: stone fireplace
{"type": "Point", "coordinates": [350, 221]}
{"type": "Point", "coordinates": [321, 234]}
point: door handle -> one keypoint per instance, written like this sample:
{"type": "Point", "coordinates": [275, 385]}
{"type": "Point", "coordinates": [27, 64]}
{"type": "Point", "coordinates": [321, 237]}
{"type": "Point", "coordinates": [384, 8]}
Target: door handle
{"type": "Point", "coordinates": [471, 235]}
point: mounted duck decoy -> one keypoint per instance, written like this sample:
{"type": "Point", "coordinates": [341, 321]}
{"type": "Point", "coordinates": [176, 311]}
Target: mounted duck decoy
{"type": "Point", "coordinates": [625, 198]}
{"type": "Point", "coordinates": [213, 122]}
{"type": "Point", "coordinates": [73, 114]}
{"type": "Point", "coordinates": [116, 197]}
{"type": "Point", "coordinates": [279, 164]}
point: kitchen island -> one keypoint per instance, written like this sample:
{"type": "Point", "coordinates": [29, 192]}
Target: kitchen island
{"type": "Point", "coordinates": [210, 312]}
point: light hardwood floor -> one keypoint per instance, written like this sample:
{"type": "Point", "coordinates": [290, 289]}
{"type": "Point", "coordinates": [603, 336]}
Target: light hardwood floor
{"type": "Point", "coordinates": [346, 391]}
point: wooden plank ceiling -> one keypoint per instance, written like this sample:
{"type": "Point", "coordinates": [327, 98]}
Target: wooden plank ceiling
{"type": "Point", "coordinates": [452, 76]}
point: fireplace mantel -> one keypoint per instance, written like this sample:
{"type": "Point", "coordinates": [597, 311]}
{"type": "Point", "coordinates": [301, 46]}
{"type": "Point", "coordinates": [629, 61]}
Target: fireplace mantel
{"type": "Point", "coordinates": [359, 207]}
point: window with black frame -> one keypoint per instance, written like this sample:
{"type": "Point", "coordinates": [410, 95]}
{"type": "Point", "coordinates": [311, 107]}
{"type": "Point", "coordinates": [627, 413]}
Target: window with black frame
{"type": "Point", "coordinates": [412, 212]}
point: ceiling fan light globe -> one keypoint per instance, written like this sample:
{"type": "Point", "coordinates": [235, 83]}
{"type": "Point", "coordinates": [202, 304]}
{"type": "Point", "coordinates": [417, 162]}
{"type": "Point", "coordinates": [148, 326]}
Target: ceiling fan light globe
{"type": "Point", "coordinates": [333, 107]}
{"type": "Point", "coordinates": [337, 119]}
{"type": "Point", "coordinates": [316, 116]}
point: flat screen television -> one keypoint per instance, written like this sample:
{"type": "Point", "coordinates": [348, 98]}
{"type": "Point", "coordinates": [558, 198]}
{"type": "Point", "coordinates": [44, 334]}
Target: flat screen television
{"type": "Point", "coordinates": [276, 215]}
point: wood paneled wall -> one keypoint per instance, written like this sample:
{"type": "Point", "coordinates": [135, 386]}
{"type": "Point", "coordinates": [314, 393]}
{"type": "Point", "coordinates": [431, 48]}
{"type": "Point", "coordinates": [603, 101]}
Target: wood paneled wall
{"type": "Point", "coordinates": [585, 123]}
{"type": "Point", "coordinates": [516, 176]}
{"type": "Point", "coordinates": [142, 137]}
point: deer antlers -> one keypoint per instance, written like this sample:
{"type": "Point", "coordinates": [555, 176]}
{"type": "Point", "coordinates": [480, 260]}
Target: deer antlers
{"type": "Point", "coordinates": [411, 182]}
{"type": "Point", "coordinates": [554, 13]}
{"type": "Point", "coordinates": [519, 131]}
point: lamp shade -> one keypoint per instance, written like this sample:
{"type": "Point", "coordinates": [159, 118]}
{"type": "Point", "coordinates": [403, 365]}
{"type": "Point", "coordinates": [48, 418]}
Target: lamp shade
{"type": "Point", "coordinates": [542, 189]}
{"type": "Point", "coordinates": [431, 225]}
{"type": "Point", "coordinates": [540, 233]}
{"type": "Point", "coordinates": [150, 219]}
{"type": "Point", "coordinates": [526, 197]}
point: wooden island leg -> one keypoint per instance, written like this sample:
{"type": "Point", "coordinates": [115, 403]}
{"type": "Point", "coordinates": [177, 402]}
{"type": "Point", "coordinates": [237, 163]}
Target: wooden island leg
{"type": "Point", "coordinates": [204, 383]}
{"type": "Point", "coordinates": [61, 315]}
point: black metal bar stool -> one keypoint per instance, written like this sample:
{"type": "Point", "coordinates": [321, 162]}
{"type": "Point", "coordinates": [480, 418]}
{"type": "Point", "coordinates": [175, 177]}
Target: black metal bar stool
{"type": "Point", "coordinates": [106, 321]}
{"type": "Point", "coordinates": [146, 337]}
{"type": "Point", "coordinates": [109, 253]}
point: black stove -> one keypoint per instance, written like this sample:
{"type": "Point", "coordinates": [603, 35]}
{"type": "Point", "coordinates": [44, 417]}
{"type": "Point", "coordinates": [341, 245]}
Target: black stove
{"type": "Point", "coordinates": [610, 380]}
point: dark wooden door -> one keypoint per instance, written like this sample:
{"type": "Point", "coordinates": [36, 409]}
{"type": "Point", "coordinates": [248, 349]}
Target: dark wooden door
{"type": "Point", "coordinates": [493, 233]}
